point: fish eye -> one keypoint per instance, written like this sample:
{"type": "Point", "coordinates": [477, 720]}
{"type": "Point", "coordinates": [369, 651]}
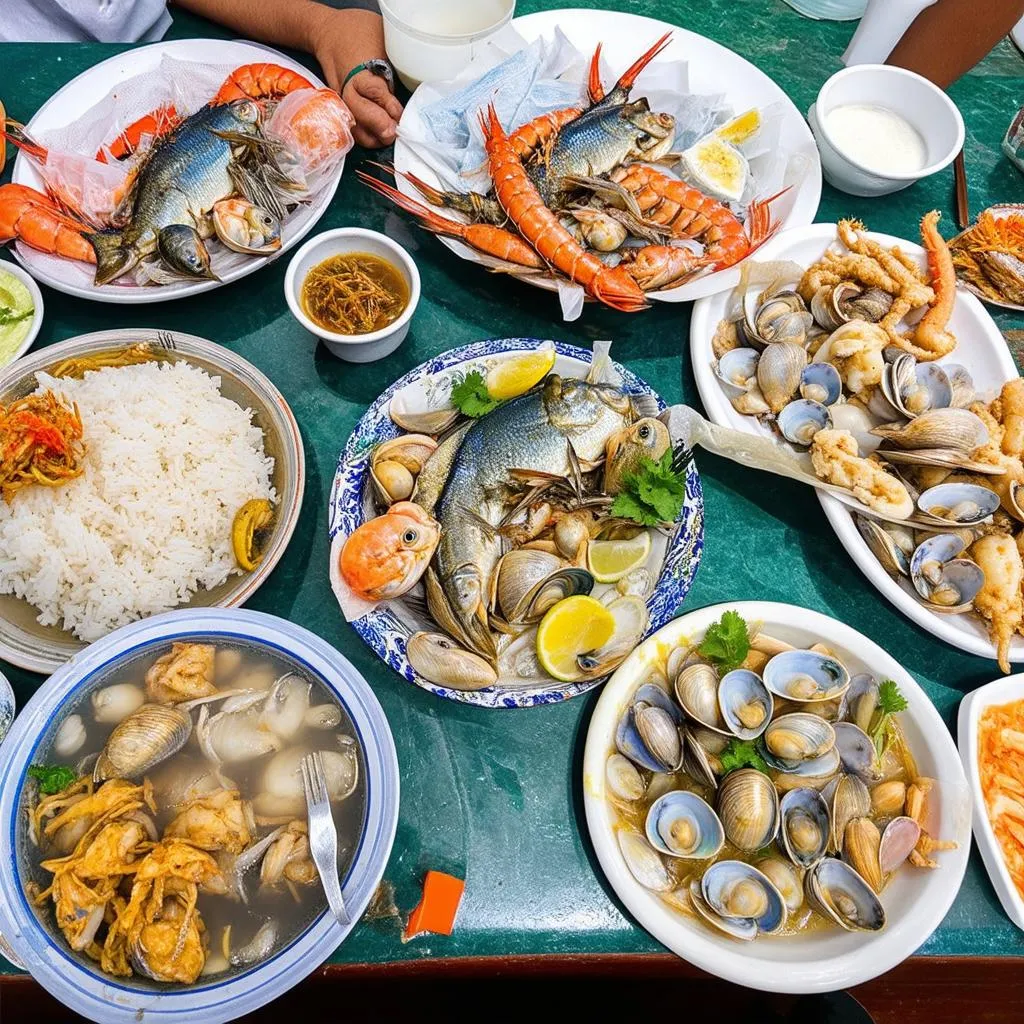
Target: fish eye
{"type": "Point", "coordinates": [644, 432]}
{"type": "Point", "coordinates": [410, 536]}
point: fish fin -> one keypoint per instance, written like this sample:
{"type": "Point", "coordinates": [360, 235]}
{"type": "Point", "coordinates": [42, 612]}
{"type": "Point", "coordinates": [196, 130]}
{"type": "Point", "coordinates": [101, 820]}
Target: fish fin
{"type": "Point", "coordinates": [610, 191]}
{"type": "Point", "coordinates": [257, 189]}
{"type": "Point", "coordinates": [113, 257]}
{"type": "Point", "coordinates": [478, 520]}
{"type": "Point", "coordinates": [646, 405]}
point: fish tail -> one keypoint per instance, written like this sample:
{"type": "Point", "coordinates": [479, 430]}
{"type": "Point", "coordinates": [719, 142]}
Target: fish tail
{"type": "Point", "coordinates": [113, 257]}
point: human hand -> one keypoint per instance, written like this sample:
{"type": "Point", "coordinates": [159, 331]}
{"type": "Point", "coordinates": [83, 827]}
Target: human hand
{"type": "Point", "coordinates": [341, 40]}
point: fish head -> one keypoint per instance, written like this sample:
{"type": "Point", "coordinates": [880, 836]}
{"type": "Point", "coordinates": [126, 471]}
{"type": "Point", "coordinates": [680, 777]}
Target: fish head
{"type": "Point", "coordinates": [181, 248]}
{"type": "Point", "coordinates": [587, 413]}
{"type": "Point", "coordinates": [654, 132]}
{"type": "Point", "coordinates": [386, 556]}
{"type": "Point", "coordinates": [627, 448]}
{"type": "Point", "coordinates": [246, 111]}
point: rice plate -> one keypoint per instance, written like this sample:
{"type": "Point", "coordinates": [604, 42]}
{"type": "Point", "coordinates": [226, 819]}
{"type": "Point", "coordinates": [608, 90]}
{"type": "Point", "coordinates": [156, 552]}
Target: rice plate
{"type": "Point", "coordinates": [169, 461]}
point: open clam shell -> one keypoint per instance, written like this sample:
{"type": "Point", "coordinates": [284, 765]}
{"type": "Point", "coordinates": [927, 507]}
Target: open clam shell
{"type": "Point", "coordinates": [736, 890]}
{"type": "Point", "coordinates": [645, 864]}
{"type": "Point", "coordinates": [887, 546]}
{"type": "Point", "coordinates": [820, 382]}
{"type": "Point", "coordinates": [836, 890]}
{"type": "Point", "coordinates": [945, 582]}
{"type": "Point", "coordinates": [957, 504]}
{"type": "Point", "coordinates": [696, 689]}
{"type": "Point", "coordinates": [805, 677]}
{"type": "Point", "coordinates": [745, 703]}
{"type": "Point", "coordinates": [792, 739]}
{"type": "Point", "coordinates": [395, 464]}
{"type": "Point", "coordinates": [897, 842]}
{"type": "Point", "coordinates": [914, 388]}
{"type": "Point", "coordinates": [646, 737]}
{"type": "Point", "coordinates": [737, 370]}
{"type": "Point", "coordinates": [804, 832]}
{"type": "Point", "coordinates": [736, 928]}
{"type": "Point", "coordinates": [856, 750]}
{"type": "Point", "coordinates": [681, 824]}
{"type": "Point", "coordinates": [799, 421]}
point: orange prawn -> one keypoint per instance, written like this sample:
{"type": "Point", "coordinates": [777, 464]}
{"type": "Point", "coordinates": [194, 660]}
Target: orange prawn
{"type": "Point", "coordinates": [689, 213]}
{"type": "Point", "coordinates": [540, 227]}
{"type": "Point", "coordinates": [259, 82]}
{"type": "Point", "coordinates": [485, 238]}
{"type": "Point", "coordinates": [38, 221]}
{"type": "Point", "coordinates": [156, 123]}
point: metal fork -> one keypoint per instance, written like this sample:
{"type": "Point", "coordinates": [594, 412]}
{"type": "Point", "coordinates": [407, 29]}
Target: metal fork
{"type": "Point", "coordinates": [323, 835]}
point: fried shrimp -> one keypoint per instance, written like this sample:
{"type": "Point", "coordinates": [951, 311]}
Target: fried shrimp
{"type": "Point", "coordinates": [999, 600]}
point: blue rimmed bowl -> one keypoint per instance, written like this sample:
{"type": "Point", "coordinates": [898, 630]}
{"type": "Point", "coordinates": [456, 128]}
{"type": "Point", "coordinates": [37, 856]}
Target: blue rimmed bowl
{"type": "Point", "coordinates": [77, 981]}
{"type": "Point", "coordinates": [388, 626]}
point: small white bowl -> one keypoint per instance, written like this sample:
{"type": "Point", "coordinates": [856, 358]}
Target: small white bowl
{"type": "Point", "coordinates": [921, 103]}
{"type": "Point", "coordinates": [37, 302]}
{"type": "Point", "coordinates": [821, 961]}
{"type": "Point", "coordinates": [1002, 691]}
{"type": "Point", "coordinates": [353, 348]}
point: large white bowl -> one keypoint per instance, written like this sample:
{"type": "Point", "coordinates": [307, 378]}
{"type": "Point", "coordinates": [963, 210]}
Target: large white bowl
{"type": "Point", "coordinates": [980, 348]}
{"type": "Point", "coordinates": [915, 901]}
{"type": "Point", "coordinates": [1002, 691]}
{"type": "Point", "coordinates": [77, 981]}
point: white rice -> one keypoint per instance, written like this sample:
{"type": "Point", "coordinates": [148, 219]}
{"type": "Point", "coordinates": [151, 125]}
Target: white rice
{"type": "Point", "coordinates": [169, 461]}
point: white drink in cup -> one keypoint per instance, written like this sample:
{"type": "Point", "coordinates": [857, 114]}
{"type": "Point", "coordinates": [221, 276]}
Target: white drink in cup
{"type": "Point", "coordinates": [433, 40]}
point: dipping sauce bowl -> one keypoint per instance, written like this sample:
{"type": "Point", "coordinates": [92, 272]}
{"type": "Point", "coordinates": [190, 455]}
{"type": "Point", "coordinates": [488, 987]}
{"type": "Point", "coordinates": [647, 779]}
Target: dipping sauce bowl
{"type": "Point", "coordinates": [920, 103]}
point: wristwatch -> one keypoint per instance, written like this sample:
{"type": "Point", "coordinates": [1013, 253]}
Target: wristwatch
{"type": "Point", "coordinates": [376, 66]}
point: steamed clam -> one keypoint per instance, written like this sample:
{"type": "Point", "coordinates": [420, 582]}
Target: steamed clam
{"type": "Point", "coordinates": [648, 730]}
{"type": "Point", "coordinates": [805, 676]}
{"type": "Point", "coordinates": [116, 702]}
{"type": "Point", "coordinates": [438, 659]}
{"type": "Point", "coordinates": [794, 738]}
{"type": "Point", "coordinates": [738, 892]}
{"type": "Point", "coordinates": [804, 832]}
{"type": "Point", "coordinates": [745, 703]}
{"type": "Point", "coordinates": [945, 581]}
{"type": "Point", "coordinates": [780, 317]}
{"type": "Point", "coordinates": [838, 304]}
{"type": "Point", "coordinates": [149, 735]}
{"type": "Point", "coordinates": [779, 371]}
{"type": "Point", "coordinates": [681, 824]}
{"type": "Point", "coordinates": [395, 464]}
{"type": "Point", "coordinates": [748, 806]}
{"type": "Point", "coordinates": [946, 429]}
{"type": "Point", "coordinates": [799, 421]}
{"type": "Point", "coordinates": [837, 891]}
{"type": "Point", "coordinates": [957, 504]}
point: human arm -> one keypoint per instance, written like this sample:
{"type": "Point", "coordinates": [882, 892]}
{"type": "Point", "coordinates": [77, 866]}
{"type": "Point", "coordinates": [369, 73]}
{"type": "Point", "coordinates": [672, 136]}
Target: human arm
{"type": "Point", "coordinates": [340, 39]}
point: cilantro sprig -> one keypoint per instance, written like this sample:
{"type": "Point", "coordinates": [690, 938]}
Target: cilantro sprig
{"type": "Point", "coordinates": [890, 702]}
{"type": "Point", "coordinates": [726, 642]}
{"type": "Point", "coordinates": [52, 778]}
{"type": "Point", "coordinates": [471, 397]}
{"type": "Point", "coordinates": [652, 495]}
{"type": "Point", "coordinates": [741, 754]}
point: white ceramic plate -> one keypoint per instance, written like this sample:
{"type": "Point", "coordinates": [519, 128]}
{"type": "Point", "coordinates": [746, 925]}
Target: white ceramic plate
{"type": "Point", "coordinates": [81, 94]}
{"type": "Point", "coordinates": [981, 349]}
{"type": "Point", "coordinates": [915, 901]}
{"type": "Point", "coordinates": [712, 69]}
{"type": "Point", "coordinates": [1002, 691]}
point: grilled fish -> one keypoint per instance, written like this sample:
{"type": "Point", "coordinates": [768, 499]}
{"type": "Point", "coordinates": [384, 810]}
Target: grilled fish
{"type": "Point", "coordinates": [188, 171]}
{"type": "Point", "coordinates": [533, 432]}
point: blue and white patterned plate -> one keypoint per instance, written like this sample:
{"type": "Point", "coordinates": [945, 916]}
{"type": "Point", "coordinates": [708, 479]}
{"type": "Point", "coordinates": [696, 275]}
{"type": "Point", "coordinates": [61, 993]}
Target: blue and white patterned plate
{"type": "Point", "coordinates": [387, 627]}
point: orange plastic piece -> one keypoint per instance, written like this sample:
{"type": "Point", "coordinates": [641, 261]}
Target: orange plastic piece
{"type": "Point", "coordinates": [438, 906]}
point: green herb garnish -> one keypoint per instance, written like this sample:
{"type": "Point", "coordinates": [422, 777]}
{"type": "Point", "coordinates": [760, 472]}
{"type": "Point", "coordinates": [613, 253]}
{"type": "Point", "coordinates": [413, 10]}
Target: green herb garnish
{"type": "Point", "coordinates": [652, 495]}
{"type": "Point", "coordinates": [742, 754]}
{"type": "Point", "coordinates": [471, 397]}
{"type": "Point", "coordinates": [890, 702]}
{"type": "Point", "coordinates": [8, 316]}
{"type": "Point", "coordinates": [52, 777]}
{"type": "Point", "coordinates": [726, 642]}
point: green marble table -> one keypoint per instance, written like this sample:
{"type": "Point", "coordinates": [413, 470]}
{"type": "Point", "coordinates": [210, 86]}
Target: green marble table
{"type": "Point", "coordinates": [496, 795]}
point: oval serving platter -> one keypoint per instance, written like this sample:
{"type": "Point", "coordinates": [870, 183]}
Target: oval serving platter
{"type": "Point", "coordinates": [980, 347]}
{"type": "Point", "coordinates": [388, 625]}
{"type": "Point", "coordinates": [38, 648]}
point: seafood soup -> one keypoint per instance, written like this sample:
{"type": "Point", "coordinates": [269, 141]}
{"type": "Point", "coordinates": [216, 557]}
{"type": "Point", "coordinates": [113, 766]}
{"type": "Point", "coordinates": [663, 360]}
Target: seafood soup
{"type": "Point", "coordinates": [164, 817]}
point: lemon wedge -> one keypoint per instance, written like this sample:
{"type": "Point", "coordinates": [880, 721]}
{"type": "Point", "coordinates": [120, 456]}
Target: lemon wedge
{"type": "Point", "coordinates": [610, 560]}
{"type": "Point", "coordinates": [741, 128]}
{"type": "Point", "coordinates": [570, 628]}
{"type": "Point", "coordinates": [716, 167]}
{"type": "Point", "coordinates": [515, 376]}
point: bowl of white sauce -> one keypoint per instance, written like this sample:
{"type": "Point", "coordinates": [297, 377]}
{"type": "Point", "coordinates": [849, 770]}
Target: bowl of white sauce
{"type": "Point", "coordinates": [881, 128]}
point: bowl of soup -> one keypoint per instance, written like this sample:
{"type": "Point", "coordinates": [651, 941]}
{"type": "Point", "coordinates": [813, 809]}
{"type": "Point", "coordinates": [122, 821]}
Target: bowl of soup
{"type": "Point", "coordinates": [356, 289]}
{"type": "Point", "coordinates": [157, 853]}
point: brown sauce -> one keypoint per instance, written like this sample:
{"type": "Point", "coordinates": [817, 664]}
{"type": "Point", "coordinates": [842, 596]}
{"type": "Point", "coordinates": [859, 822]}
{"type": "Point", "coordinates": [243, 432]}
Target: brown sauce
{"type": "Point", "coordinates": [354, 293]}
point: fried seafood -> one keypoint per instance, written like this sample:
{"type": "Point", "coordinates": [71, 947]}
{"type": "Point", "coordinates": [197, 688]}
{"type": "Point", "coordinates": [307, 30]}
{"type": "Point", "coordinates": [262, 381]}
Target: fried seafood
{"type": "Point", "coordinates": [40, 443]}
{"type": "Point", "coordinates": [855, 350]}
{"type": "Point", "coordinates": [835, 459]}
{"type": "Point", "coordinates": [999, 600]}
{"type": "Point", "coordinates": [185, 672]}
{"type": "Point", "coordinates": [219, 821]}
{"type": "Point", "coordinates": [1009, 410]}
{"type": "Point", "coordinates": [1001, 771]}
